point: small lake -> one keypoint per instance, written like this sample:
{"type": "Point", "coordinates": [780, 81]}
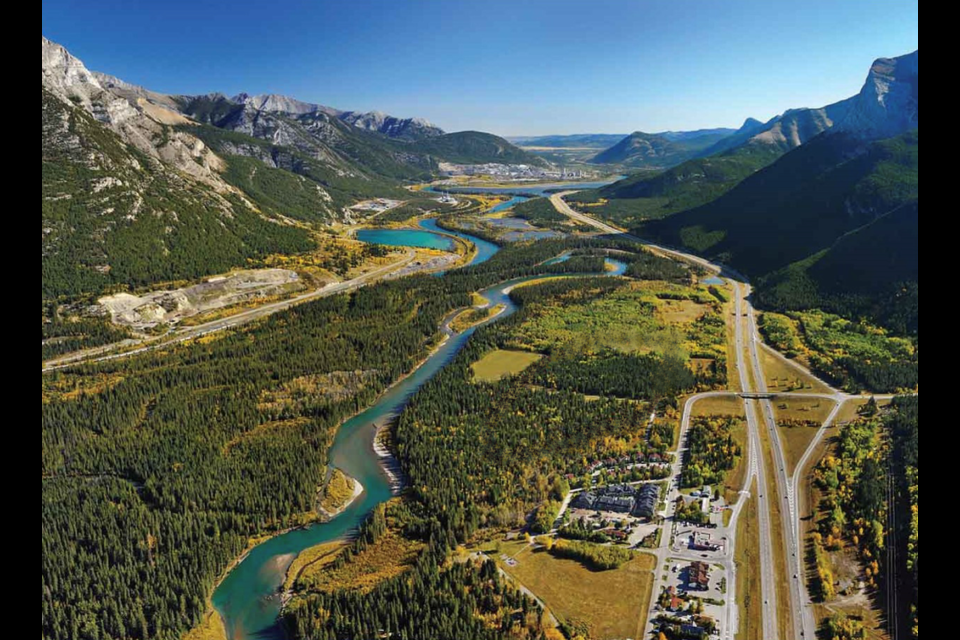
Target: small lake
{"type": "Point", "coordinates": [485, 250]}
{"type": "Point", "coordinates": [406, 238]}
{"type": "Point", "coordinates": [509, 204]}
{"type": "Point", "coordinates": [714, 281]}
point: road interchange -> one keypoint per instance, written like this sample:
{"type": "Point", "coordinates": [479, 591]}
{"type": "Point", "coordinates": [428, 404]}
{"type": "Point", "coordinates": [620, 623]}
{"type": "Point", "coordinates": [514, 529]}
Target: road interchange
{"type": "Point", "coordinates": [757, 402]}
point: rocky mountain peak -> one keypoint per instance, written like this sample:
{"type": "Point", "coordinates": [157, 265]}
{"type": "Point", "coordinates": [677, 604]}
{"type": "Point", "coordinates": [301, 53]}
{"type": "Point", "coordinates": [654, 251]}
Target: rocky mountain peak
{"type": "Point", "coordinates": [61, 73]}
{"type": "Point", "coordinates": [274, 103]}
{"type": "Point", "coordinates": [889, 103]}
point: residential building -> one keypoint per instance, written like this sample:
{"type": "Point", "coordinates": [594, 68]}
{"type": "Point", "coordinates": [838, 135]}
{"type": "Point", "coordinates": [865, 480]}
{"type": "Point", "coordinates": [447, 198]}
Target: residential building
{"type": "Point", "coordinates": [648, 499]}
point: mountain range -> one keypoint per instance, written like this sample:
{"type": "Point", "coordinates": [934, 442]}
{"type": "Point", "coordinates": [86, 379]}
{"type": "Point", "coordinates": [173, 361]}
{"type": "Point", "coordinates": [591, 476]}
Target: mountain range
{"type": "Point", "coordinates": [577, 141]}
{"type": "Point", "coordinates": [878, 111]}
{"type": "Point", "coordinates": [141, 187]}
{"type": "Point", "coordinates": [826, 219]}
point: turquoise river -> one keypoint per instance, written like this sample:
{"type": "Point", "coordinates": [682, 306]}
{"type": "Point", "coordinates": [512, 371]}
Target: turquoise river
{"type": "Point", "coordinates": [249, 598]}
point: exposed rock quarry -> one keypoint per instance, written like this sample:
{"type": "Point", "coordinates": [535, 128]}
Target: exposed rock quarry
{"type": "Point", "coordinates": [169, 307]}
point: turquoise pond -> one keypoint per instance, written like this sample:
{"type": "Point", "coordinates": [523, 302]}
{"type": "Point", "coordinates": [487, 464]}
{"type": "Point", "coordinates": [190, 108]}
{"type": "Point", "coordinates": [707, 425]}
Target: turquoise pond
{"type": "Point", "coordinates": [406, 238]}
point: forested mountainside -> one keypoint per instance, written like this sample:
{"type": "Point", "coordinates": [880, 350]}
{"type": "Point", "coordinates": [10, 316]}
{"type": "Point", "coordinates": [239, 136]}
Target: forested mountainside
{"type": "Point", "coordinates": [818, 206]}
{"type": "Point", "coordinates": [873, 271]}
{"type": "Point", "coordinates": [801, 204]}
{"type": "Point", "coordinates": [141, 188]}
{"type": "Point", "coordinates": [114, 215]}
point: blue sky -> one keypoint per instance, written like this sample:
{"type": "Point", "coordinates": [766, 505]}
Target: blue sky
{"type": "Point", "coordinates": [512, 67]}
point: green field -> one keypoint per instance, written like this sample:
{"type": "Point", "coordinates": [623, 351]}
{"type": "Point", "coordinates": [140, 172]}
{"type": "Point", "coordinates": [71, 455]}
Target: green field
{"type": "Point", "coordinates": [722, 406]}
{"type": "Point", "coordinates": [789, 377]}
{"type": "Point", "coordinates": [611, 604]}
{"type": "Point", "coordinates": [647, 317]}
{"type": "Point", "coordinates": [799, 421]}
{"type": "Point", "coordinates": [500, 364]}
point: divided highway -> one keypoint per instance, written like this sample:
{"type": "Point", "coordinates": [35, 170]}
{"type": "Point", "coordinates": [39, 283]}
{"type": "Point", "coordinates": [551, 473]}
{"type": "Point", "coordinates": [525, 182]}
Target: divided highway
{"type": "Point", "coordinates": [756, 410]}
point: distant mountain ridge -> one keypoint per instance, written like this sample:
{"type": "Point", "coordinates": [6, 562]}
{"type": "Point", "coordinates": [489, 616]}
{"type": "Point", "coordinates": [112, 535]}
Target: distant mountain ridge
{"type": "Point", "coordinates": [375, 121]}
{"type": "Point", "coordinates": [576, 141]}
{"type": "Point", "coordinates": [784, 132]}
{"type": "Point", "coordinates": [660, 150]}
{"type": "Point", "coordinates": [815, 204]}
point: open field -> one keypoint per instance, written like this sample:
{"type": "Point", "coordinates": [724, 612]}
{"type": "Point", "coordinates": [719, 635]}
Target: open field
{"type": "Point", "coordinates": [784, 377]}
{"type": "Point", "coordinates": [611, 604]}
{"type": "Point", "coordinates": [637, 318]}
{"type": "Point", "coordinates": [799, 421]}
{"type": "Point", "coordinates": [500, 364]}
{"type": "Point", "coordinates": [729, 406]}
{"type": "Point", "coordinates": [733, 367]}
{"type": "Point", "coordinates": [737, 476]}
{"type": "Point", "coordinates": [750, 598]}
{"type": "Point", "coordinates": [796, 440]}
{"type": "Point", "coordinates": [850, 409]}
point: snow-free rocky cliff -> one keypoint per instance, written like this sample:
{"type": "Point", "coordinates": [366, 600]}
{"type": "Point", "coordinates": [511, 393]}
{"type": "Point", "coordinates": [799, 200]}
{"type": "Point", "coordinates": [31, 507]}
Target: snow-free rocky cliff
{"type": "Point", "coordinates": [889, 103]}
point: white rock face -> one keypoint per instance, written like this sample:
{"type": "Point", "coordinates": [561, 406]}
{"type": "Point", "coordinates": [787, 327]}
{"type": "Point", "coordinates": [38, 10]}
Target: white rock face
{"type": "Point", "coordinates": [797, 127]}
{"type": "Point", "coordinates": [373, 121]}
{"type": "Point", "coordinates": [889, 103]}
{"type": "Point", "coordinates": [62, 72]}
{"type": "Point", "coordinates": [391, 126]}
{"type": "Point", "coordinates": [282, 104]}
{"type": "Point", "coordinates": [124, 108]}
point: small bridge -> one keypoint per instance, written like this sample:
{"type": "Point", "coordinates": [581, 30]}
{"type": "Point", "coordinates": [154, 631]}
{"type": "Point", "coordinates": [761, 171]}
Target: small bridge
{"type": "Point", "coordinates": [757, 396]}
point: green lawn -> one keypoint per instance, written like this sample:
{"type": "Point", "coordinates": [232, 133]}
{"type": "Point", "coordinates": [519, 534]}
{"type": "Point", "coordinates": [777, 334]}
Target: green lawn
{"type": "Point", "coordinates": [500, 364]}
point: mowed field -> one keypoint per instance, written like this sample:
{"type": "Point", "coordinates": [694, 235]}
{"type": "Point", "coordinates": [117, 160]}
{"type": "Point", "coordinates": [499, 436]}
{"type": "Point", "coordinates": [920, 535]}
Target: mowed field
{"type": "Point", "coordinates": [785, 377]}
{"type": "Point", "coordinates": [750, 597]}
{"type": "Point", "coordinates": [501, 364]}
{"type": "Point", "coordinates": [799, 422]}
{"type": "Point", "coordinates": [612, 604]}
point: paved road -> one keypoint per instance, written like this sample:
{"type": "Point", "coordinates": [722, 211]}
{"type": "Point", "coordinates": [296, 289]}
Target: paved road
{"type": "Point", "coordinates": [216, 326]}
{"type": "Point", "coordinates": [804, 622]}
{"type": "Point", "coordinates": [768, 574]}
{"type": "Point", "coordinates": [756, 463]}
{"type": "Point", "coordinates": [787, 486]}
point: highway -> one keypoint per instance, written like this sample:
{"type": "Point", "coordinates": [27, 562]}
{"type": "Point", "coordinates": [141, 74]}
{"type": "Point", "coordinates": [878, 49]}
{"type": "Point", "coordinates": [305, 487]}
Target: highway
{"type": "Point", "coordinates": [768, 575]}
{"type": "Point", "coordinates": [757, 471]}
{"type": "Point", "coordinates": [804, 622]}
{"type": "Point", "coordinates": [216, 326]}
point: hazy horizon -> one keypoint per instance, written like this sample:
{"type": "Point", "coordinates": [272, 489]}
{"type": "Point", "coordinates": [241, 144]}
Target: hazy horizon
{"type": "Point", "coordinates": [552, 67]}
